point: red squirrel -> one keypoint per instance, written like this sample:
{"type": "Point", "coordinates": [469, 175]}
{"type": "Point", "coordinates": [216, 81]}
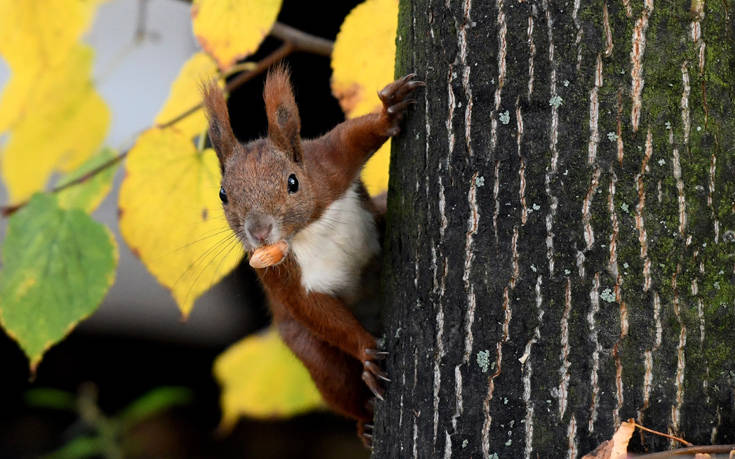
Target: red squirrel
{"type": "Point", "coordinates": [308, 193]}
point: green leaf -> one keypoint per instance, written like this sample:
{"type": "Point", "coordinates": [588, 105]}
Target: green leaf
{"type": "Point", "coordinates": [90, 193]}
{"type": "Point", "coordinates": [46, 397]}
{"type": "Point", "coordinates": [57, 267]}
{"type": "Point", "coordinates": [154, 402]}
{"type": "Point", "coordinates": [78, 448]}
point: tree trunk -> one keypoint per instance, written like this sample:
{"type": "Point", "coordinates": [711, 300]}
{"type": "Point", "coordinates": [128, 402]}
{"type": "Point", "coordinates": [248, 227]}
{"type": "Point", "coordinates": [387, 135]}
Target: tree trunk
{"type": "Point", "coordinates": [560, 254]}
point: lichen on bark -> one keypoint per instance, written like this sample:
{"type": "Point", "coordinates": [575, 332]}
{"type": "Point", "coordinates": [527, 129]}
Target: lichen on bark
{"type": "Point", "coordinates": [561, 203]}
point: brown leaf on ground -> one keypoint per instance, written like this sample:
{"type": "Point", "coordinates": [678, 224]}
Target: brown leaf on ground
{"type": "Point", "coordinates": [615, 448]}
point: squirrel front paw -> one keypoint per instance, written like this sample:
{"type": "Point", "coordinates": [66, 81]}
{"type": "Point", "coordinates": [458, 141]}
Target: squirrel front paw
{"type": "Point", "coordinates": [372, 371]}
{"type": "Point", "coordinates": [395, 101]}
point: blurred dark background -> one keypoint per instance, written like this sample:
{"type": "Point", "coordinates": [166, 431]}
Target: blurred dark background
{"type": "Point", "coordinates": [136, 341]}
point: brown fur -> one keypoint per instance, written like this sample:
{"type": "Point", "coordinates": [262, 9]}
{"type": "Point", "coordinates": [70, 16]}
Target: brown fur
{"type": "Point", "coordinates": [220, 132]}
{"type": "Point", "coordinates": [284, 123]}
{"type": "Point", "coordinates": [319, 328]}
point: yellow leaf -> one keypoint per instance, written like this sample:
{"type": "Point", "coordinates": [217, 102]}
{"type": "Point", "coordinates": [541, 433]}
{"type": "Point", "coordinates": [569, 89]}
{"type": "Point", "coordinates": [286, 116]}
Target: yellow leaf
{"type": "Point", "coordinates": [36, 33]}
{"type": "Point", "coordinates": [37, 90]}
{"type": "Point", "coordinates": [375, 172]}
{"type": "Point", "coordinates": [56, 127]}
{"type": "Point", "coordinates": [16, 95]}
{"type": "Point", "coordinates": [358, 76]}
{"type": "Point", "coordinates": [261, 378]}
{"type": "Point", "coordinates": [186, 92]}
{"type": "Point", "coordinates": [37, 37]}
{"type": "Point", "coordinates": [171, 215]}
{"type": "Point", "coordinates": [232, 29]}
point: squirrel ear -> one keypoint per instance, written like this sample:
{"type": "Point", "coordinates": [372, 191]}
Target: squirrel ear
{"type": "Point", "coordinates": [220, 132]}
{"type": "Point", "coordinates": [284, 124]}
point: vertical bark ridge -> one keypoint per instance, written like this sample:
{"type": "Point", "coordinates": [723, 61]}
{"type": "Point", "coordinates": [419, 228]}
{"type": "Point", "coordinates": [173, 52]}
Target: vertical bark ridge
{"type": "Point", "coordinates": [559, 254]}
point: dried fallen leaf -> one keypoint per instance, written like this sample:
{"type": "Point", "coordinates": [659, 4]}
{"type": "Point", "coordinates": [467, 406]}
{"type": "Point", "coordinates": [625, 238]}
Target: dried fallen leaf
{"type": "Point", "coordinates": [617, 447]}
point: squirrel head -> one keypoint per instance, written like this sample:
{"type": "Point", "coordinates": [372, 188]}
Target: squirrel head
{"type": "Point", "coordinates": [266, 192]}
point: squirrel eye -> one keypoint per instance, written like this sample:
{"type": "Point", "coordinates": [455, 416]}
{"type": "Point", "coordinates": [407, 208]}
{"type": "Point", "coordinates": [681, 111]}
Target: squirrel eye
{"type": "Point", "coordinates": [223, 195]}
{"type": "Point", "coordinates": [293, 184]}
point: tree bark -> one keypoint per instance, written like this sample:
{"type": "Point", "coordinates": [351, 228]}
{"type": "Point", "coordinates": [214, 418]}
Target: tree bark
{"type": "Point", "coordinates": [560, 252]}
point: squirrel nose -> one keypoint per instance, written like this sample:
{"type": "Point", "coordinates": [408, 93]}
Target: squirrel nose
{"type": "Point", "coordinates": [259, 229]}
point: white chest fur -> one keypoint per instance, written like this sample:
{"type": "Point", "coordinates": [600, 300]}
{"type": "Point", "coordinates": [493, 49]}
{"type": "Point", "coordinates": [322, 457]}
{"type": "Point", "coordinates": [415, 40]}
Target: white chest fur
{"type": "Point", "coordinates": [333, 250]}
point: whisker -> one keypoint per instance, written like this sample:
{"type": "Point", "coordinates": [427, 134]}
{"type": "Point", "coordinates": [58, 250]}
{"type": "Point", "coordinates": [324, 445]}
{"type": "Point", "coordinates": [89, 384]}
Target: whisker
{"type": "Point", "coordinates": [226, 246]}
{"type": "Point", "coordinates": [213, 234]}
{"type": "Point", "coordinates": [223, 240]}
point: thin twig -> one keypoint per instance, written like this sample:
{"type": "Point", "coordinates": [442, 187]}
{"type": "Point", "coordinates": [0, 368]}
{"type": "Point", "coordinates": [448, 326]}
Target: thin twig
{"type": "Point", "coordinates": [690, 451]}
{"type": "Point", "coordinates": [294, 40]}
{"type": "Point", "coordinates": [238, 81]}
{"type": "Point", "coordinates": [277, 55]}
{"type": "Point", "coordinates": [7, 211]}
{"type": "Point", "coordinates": [671, 437]}
{"type": "Point", "coordinates": [141, 23]}
{"type": "Point", "coordinates": [303, 41]}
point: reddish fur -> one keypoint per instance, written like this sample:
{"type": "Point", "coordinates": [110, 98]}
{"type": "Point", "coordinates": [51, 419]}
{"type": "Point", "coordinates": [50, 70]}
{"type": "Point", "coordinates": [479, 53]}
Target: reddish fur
{"type": "Point", "coordinates": [319, 328]}
{"type": "Point", "coordinates": [338, 156]}
{"type": "Point", "coordinates": [324, 335]}
{"type": "Point", "coordinates": [220, 131]}
{"type": "Point", "coordinates": [284, 124]}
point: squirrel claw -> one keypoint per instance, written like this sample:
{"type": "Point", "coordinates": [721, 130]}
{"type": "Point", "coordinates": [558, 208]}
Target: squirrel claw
{"type": "Point", "coordinates": [399, 88]}
{"type": "Point", "coordinates": [400, 106]}
{"type": "Point", "coordinates": [373, 385]}
{"type": "Point", "coordinates": [395, 102]}
{"type": "Point", "coordinates": [365, 437]}
{"type": "Point", "coordinates": [375, 369]}
{"type": "Point", "coordinates": [375, 354]}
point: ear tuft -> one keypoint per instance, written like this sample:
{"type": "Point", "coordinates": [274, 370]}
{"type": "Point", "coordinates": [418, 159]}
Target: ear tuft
{"type": "Point", "coordinates": [220, 132]}
{"type": "Point", "coordinates": [284, 124]}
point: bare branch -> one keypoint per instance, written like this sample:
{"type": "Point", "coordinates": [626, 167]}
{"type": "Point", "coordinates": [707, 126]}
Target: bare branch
{"type": "Point", "coordinates": [692, 450]}
{"type": "Point", "coordinates": [302, 41]}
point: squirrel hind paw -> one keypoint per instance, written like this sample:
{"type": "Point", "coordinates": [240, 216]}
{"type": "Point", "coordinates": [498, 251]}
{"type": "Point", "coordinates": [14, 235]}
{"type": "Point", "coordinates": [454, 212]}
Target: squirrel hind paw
{"type": "Point", "coordinates": [365, 434]}
{"type": "Point", "coordinates": [373, 384]}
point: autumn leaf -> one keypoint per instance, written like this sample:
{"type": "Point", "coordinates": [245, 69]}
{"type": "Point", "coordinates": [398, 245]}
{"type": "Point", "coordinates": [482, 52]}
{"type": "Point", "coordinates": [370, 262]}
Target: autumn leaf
{"type": "Point", "coordinates": [56, 128]}
{"type": "Point", "coordinates": [358, 76]}
{"type": "Point", "coordinates": [90, 193]}
{"type": "Point", "coordinates": [186, 92]}
{"type": "Point", "coordinates": [231, 30]}
{"type": "Point", "coordinates": [261, 378]}
{"type": "Point", "coordinates": [171, 215]}
{"type": "Point", "coordinates": [57, 267]}
{"type": "Point", "coordinates": [615, 448]}
{"type": "Point", "coordinates": [36, 39]}
{"type": "Point", "coordinates": [40, 33]}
